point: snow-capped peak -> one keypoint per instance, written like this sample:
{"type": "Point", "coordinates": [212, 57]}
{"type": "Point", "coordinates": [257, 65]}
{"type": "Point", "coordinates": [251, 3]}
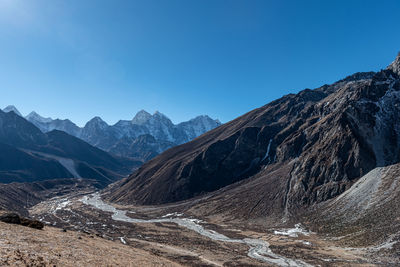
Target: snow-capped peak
{"type": "Point", "coordinates": [206, 120]}
{"type": "Point", "coordinates": [33, 116]}
{"type": "Point", "coordinates": [141, 117]}
{"type": "Point", "coordinates": [98, 122]}
{"type": "Point", "coordinates": [12, 108]}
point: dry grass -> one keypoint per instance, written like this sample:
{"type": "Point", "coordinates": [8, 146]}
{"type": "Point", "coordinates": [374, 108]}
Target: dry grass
{"type": "Point", "coordinates": [23, 246]}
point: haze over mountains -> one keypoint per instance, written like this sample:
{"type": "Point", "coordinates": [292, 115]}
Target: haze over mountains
{"type": "Point", "coordinates": [142, 138]}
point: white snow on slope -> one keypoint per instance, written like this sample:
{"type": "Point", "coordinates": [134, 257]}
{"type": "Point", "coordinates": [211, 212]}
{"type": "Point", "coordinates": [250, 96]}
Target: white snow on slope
{"type": "Point", "coordinates": [293, 232]}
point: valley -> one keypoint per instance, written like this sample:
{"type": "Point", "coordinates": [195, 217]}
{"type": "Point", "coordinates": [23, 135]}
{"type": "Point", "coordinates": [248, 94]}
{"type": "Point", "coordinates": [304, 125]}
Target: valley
{"type": "Point", "coordinates": [174, 233]}
{"type": "Point", "coordinates": [215, 133]}
{"type": "Point", "coordinates": [310, 179]}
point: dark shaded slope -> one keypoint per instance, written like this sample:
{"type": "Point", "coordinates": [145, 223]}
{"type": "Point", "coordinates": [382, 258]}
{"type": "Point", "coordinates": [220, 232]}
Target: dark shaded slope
{"type": "Point", "coordinates": [19, 166]}
{"type": "Point", "coordinates": [65, 145]}
{"type": "Point", "coordinates": [17, 132]}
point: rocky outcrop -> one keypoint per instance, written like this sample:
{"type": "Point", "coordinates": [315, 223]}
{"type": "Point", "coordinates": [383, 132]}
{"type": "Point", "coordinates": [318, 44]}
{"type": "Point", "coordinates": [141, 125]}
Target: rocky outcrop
{"type": "Point", "coordinates": [395, 66]}
{"type": "Point", "coordinates": [14, 218]}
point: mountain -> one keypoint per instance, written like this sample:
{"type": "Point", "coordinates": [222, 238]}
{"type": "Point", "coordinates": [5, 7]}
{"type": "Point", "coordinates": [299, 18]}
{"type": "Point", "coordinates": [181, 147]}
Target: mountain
{"type": "Point", "coordinates": [12, 108]}
{"type": "Point", "coordinates": [34, 117]}
{"type": "Point", "coordinates": [29, 155]}
{"type": "Point", "coordinates": [141, 117]}
{"type": "Point", "coordinates": [298, 151]}
{"type": "Point", "coordinates": [143, 147]}
{"type": "Point", "coordinates": [197, 126]}
{"type": "Point", "coordinates": [131, 134]}
{"type": "Point", "coordinates": [98, 133]}
{"type": "Point", "coordinates": [48, 124]}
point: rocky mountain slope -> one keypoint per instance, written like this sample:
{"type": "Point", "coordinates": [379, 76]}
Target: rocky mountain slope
{"type": "Point", "coordinates": [299, 150]}
{"type": "Point", "coordinates": [29, 155]}
{"type": "Point", "coordinates": [366, 213]}
{"type": "Point", "coordinates": [134, 134]}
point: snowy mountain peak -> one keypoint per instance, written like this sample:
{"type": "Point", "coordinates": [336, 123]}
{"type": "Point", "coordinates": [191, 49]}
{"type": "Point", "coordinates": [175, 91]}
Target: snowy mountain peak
{"type": "Point", "coordinates": [206, 120]}
{"type": "Point", "coordinates": [33, 116]}
{"type": "Point", "coordinates": [12, 108]}
{"type": "Point", "coordinates": [395, 66]}
{"type": "Point", "coordinates": [202, 117]}
{"type": "Point", "coordinates": [198, 125]}
{"type": "Point", "coordinates": [141, 117]}
{"type": "Point", "coordinates": [97, 121]}
{"type": "Point", "coordinates": [122, 136]}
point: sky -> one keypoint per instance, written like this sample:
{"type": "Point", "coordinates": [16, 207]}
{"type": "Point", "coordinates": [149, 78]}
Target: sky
{"type": "Point", "coordinates": [79, 59]}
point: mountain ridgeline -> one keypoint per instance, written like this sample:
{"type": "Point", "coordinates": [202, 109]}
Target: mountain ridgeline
{"type": "Point", "coordinates": [142, 138]}
{"type": "Point", "coordinates": [29, 155]}
{"type": "Point", "coordinates": [296, 151]}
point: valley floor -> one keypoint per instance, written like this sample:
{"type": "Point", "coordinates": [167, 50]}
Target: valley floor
{"type": "Point", "coordinates": [96, 237]}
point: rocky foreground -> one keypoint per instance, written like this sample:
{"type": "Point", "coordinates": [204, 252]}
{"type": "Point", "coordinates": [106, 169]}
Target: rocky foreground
{"type": "Point", "coordinates": [24, 246]}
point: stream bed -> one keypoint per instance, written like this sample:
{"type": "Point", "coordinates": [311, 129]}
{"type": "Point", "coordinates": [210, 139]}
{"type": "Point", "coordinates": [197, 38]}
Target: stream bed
{"type": "Point", "coordinates": [258, 248]}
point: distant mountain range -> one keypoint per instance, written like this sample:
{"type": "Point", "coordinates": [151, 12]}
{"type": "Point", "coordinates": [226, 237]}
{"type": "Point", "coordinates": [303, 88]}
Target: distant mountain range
{"type": "Point", "coordinates": [27, 154]}
{"type": "Point", "coordinates": [142, 138]}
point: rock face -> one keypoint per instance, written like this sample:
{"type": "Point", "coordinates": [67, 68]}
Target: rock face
{"type": "Point", "coordinates": [301, 149]}
{"type": "Point", "coordinates": [131, 134]}
{"type": "Point", "coordinates": [395, 66]}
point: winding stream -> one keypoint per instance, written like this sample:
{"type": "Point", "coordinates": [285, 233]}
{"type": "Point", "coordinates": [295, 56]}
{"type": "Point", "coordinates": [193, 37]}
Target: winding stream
{"type": "Point", "coordinates": [258, 249]}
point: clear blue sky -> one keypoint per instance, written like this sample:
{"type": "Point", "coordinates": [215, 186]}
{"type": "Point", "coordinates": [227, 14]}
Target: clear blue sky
{"type": "Point", "coordinates": [77, 59]}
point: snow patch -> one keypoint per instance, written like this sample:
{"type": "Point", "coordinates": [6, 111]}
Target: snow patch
{"type": "Point", "coordinates": [62, 205]}
{"type": "Point", "coordinates": [268, 148]}
{"type": "Point", "coordinates": [122, 240]}
{"type": "Point", "coordinates": [175, 214]}
{"type": "Point", "coordinates": [293, 232]}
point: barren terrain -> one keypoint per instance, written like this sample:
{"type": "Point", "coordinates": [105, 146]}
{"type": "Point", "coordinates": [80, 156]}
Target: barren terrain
{"type": "Point", "coordinates": [155, 231]}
